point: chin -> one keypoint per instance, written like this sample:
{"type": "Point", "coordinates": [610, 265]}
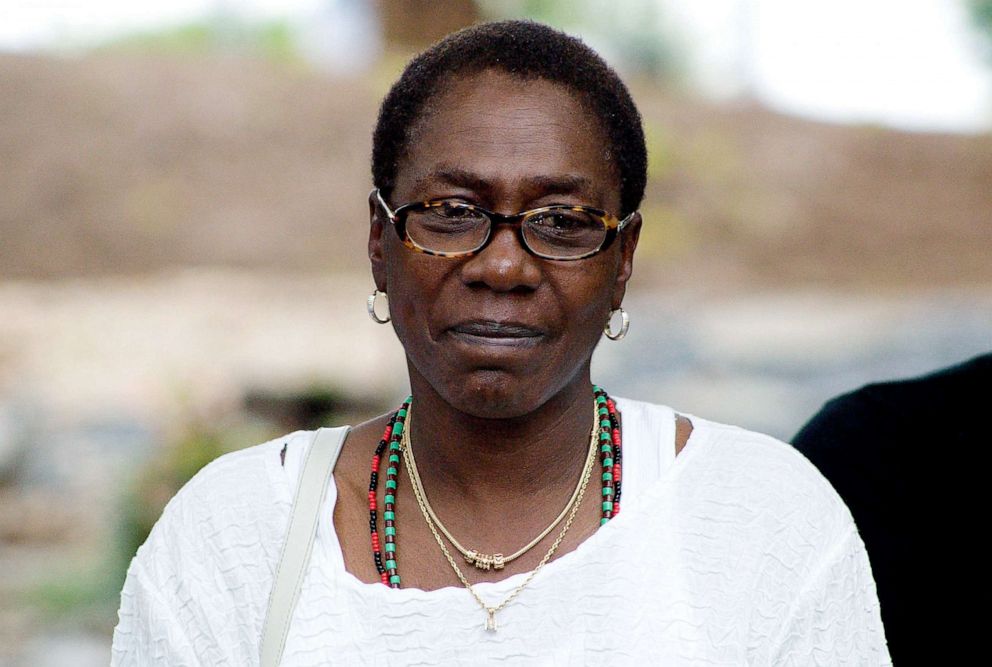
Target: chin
{"type": "Point", "coordinates": [493, 394]}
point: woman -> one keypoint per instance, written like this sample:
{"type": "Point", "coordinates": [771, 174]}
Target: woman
{"type": "Point", "coordinates": [509, 163]}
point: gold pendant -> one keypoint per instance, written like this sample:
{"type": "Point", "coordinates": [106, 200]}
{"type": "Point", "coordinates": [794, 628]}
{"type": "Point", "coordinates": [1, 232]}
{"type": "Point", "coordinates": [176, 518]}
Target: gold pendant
{"type": "Point", "coordinates": [491, 620]}
{"type": "Point", "coordinates": [485, 561]}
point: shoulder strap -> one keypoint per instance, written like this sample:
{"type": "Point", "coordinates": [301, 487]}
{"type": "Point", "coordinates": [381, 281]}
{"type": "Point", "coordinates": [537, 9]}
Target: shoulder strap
{"type": "Point", "coordinates": [317, 469]}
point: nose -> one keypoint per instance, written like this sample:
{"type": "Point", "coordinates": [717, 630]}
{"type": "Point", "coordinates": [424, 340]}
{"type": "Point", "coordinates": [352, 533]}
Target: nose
{"type": "Point", "coordinates": [504, 265]}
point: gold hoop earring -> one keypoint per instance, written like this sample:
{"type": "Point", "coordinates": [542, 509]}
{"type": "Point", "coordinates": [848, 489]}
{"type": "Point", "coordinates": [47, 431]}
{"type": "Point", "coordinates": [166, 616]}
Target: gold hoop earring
{"type": "Point", "coordinates": [370, 305]}
{"type": "Point", "coordinates": [624, 324]}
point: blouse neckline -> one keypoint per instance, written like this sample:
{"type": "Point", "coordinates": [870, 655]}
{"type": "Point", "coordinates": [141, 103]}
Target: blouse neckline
{"type": "Point", "coordinates": [637, 463]}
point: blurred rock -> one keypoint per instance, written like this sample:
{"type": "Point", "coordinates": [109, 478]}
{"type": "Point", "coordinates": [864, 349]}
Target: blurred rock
{"type": "Point", "coordinates": [13, 445]}
{"type": "Point", "coordinates": [72, 649]}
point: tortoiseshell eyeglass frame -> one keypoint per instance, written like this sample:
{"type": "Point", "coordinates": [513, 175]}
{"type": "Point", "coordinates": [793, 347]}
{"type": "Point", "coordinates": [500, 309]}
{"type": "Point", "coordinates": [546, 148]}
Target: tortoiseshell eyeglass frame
{"type": "Point", "coordinates": [611, 223]}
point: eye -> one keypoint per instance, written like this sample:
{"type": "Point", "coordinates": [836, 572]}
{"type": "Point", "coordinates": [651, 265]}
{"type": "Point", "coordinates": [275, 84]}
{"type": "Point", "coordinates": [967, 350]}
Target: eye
{"type": "Point", "coordinates": [447, 217]}
{"type": "Point", "coordinates": [455, 210]}
{"type": "Point", "coordinates": [562, 221]}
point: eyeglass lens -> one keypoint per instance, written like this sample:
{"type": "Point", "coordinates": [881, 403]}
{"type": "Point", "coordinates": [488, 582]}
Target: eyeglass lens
{"type": "Point", "coordinates": [453, 228]}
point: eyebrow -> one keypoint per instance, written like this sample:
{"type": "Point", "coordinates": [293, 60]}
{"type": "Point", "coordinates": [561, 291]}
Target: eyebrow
{"type": "Point", "coordinates": [560, 184]}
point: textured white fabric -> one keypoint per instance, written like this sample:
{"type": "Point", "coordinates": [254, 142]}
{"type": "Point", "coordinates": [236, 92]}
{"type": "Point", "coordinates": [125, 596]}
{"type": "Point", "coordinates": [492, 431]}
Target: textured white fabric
{"type": "Point", "coordinates": [735, 552]}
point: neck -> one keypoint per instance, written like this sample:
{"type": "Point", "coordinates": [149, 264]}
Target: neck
{"type": "Point", "coordinates": [485, 464]}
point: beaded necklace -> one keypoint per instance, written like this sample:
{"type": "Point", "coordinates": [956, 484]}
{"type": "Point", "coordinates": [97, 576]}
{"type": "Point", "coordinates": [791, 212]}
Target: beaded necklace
{"type": "Point", "coordinates": [610, 456]}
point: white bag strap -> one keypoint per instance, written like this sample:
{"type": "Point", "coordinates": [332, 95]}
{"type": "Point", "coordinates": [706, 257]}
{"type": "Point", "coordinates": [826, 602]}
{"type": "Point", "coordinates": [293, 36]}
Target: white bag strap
{"type": "Point", "coordinates": [292, 568]}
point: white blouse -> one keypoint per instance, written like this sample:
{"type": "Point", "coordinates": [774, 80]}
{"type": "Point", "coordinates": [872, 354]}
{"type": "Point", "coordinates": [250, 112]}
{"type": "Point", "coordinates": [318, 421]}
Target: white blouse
{"type": "Point", "coordinates": [736, 552]}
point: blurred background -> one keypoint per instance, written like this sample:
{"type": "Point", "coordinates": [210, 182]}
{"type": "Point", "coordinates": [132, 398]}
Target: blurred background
{"type": "Point", "coordinates": [183, 224]}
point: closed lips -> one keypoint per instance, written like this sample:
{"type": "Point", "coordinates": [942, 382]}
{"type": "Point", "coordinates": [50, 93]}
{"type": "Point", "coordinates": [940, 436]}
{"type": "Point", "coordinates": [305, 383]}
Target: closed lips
{"type": "Point", "coordinates": [496, 332]}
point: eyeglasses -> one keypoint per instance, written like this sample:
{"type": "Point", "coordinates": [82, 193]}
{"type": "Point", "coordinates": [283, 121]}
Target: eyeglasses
{"type": "Point", "coordinates": [451, 228]}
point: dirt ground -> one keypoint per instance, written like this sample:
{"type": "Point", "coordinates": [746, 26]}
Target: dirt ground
{"type": "Point", "coordinates": [121, 164]}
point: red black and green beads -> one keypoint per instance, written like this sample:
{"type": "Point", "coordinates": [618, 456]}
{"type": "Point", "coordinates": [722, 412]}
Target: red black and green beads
{"type": "Point", "coordinates": [388, 572]}
{"type": "Point", "coordinates": [609, 454]}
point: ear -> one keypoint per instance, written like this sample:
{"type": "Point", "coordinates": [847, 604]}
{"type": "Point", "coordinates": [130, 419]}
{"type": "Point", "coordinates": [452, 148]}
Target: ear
{"type": "Point", "coordinates": [628, 243]}
{"type": "Point", "coordinates": [376, 241]}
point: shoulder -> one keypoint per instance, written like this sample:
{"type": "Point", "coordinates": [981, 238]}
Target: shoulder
{"type": "Point", "coordinates": [257, 475]}
{"type": "Point", "coordinates": [238, 502]}
{"type": "Point", "coordinates": [907, 408]}
{"type": "Point", "coordinates": [786, 526]}
{"type": "Point", "coordinates": [744, 471]}
{"type": "Point", "coordinates": [773, 474]}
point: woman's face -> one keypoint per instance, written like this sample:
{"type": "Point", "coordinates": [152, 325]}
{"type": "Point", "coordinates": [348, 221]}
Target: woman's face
{"type": "Point", "coordinates": [500, 333]}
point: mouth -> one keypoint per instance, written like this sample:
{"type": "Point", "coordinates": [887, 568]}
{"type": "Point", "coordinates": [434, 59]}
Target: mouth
{"type": "Point", "coordinates": [503, 334]}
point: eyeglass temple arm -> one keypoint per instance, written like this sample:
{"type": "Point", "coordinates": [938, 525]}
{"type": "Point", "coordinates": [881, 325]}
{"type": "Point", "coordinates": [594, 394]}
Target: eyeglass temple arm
{"type": "Point", "coordinates": [383, 204]}
{"type": "Point", "coordinates": [623, 223]}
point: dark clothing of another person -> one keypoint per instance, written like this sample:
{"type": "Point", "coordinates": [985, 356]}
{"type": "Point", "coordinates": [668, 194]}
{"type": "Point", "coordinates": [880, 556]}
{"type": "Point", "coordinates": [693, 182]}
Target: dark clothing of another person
{"type": "Point", "coordinates": [896, 452]}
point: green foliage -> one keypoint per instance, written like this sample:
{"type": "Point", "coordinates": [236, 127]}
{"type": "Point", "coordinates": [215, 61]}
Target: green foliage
{"type": "Point", "coordinates": [634, 38]}
{"type": "Point", "coordinates": [272, 40]}
{"type": "Point", "coordinates": [981, 12]}
{"type": "Point", "coordinates": [981, 15]}
{"type": "Point", "coordinates": [85, 591]}
{"type": "Point", "coordinates": [88, 589]}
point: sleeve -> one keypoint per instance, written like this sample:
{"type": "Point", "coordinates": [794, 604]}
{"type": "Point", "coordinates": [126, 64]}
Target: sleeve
{"type": "Point", "coordinates": [148, 632]}
{"type": "Point", "coordinates": [835, 619]}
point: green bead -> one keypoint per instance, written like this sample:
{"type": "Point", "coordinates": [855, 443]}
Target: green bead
{"type": "Point", "coordinates": [390, 498]}
{"type": "Point", "coordinates": [603, 411]}
{"type": "Point", "coordinates": [394, 458]}
{"type": "Point", "coordinates": [606, 448]}
{"type": "Point", "coordinates": [607, 476]}
{"type": "Point", "coordinates": [605, 423]}
{"type": "Point", "coordinates": [394, 446]}
{"type": "Point", "coordinates": [392, 471]}
{"type": "Point", "coordinates": [601, 399]}
{"type": "Point", "coordinates": [401, 413]}
{"type": "Point", "coordinates": [390, 531]}
{"type": "Point", "coordinates": [394, 579]}
{"type": "Point", "coordinates": [391, 484]}
{"type": "Point", "coordinates": [398, 428]}
{"type": "Point", "coordinates": [390, 546]}
{"type": "Point", "coordinates": [390, 516]}
{"type": "Point", "coordinates": [390, 565]}
{"type": "Point", "coordinates": [607, 491]}
{"type": "Point", "coordinates": [607, 505]}
{"type": "Point", "coordinates": [607, 462]}
{"type": "Point", "coordinates": [604, 436]}
{"type": "Point", "coordinates": [603, 521]}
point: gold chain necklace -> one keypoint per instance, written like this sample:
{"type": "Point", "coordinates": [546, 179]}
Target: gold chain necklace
{"type": "Point", "coordinates": [473, 557]}
{"type": "Point", "coordinates": [490, 610]}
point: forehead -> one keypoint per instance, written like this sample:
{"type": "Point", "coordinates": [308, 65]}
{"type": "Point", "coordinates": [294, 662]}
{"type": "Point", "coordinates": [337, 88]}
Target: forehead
{"type": "Point", "coordinates": [511, 133]}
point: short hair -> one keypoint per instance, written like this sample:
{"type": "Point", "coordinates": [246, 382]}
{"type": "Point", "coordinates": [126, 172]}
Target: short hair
{"type": "Point", "coordinates": [527, 50]}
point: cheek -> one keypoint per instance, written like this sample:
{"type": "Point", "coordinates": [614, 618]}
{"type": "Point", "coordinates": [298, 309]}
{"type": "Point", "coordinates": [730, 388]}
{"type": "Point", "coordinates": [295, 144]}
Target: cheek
{"type": "Point", "coordinates": [415, 280]}
{"type": "Point", "coordinates": [588, 306]}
